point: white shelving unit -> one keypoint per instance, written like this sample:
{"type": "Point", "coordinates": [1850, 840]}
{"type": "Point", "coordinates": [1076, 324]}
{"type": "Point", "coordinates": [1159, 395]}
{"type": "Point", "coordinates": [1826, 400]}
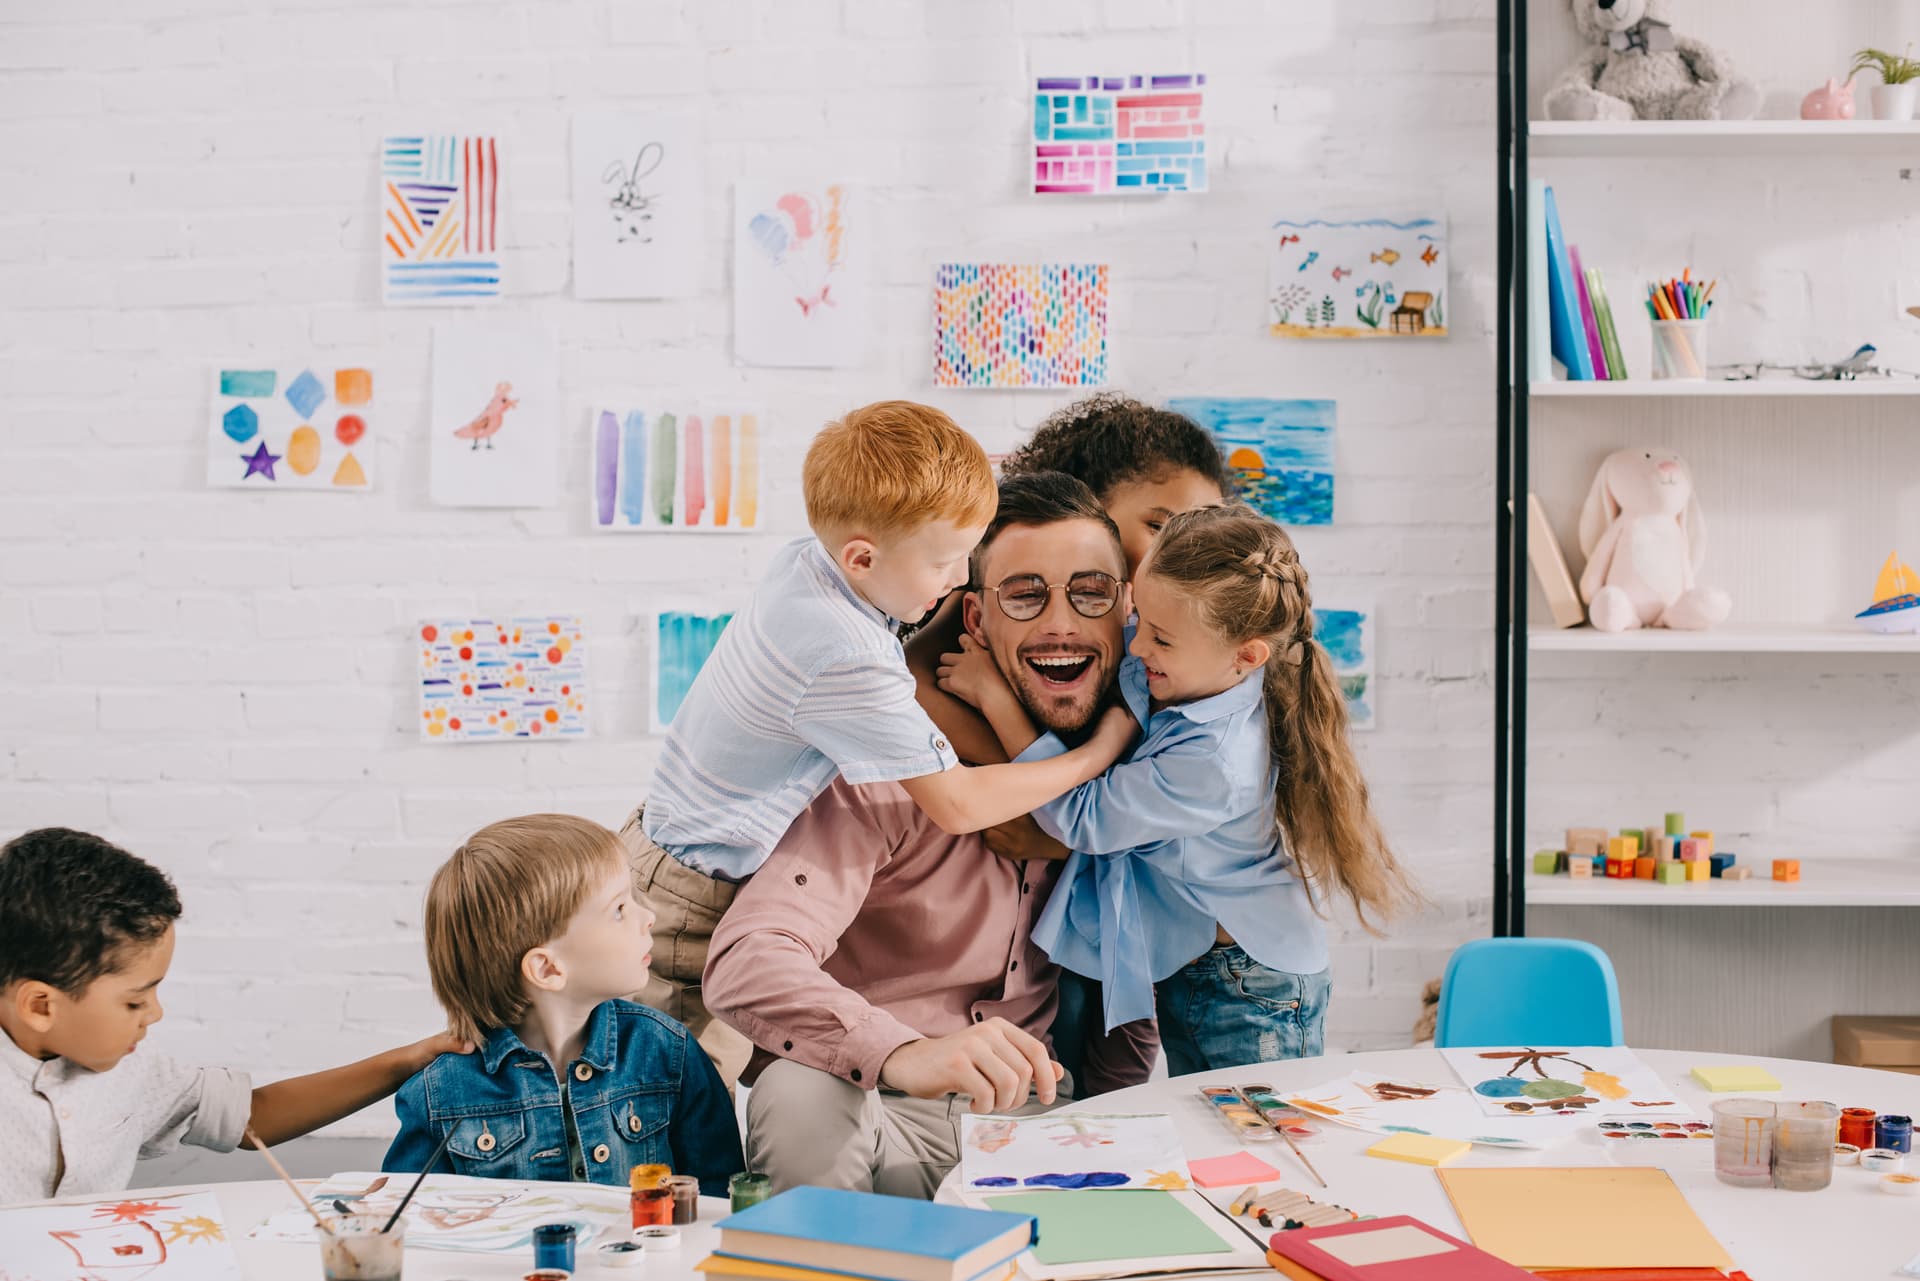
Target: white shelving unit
{"type": "Point", "coordinates": [1762, 388]}
{"type": "Point", "coordinates": [1825, 882]}
{"type": "Point", "coordinates": [1732, 638]}
{"type": "Point", "coordinates": [1659, 139]}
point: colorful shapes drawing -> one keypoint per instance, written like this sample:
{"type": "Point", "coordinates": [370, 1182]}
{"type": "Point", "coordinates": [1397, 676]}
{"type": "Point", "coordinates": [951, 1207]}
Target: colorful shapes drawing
{"type": "Point", "coordinates": [240, 423]}
{"type": "Point", "coordinates": [1107, 135]}
{"type": "Point", "coordinates": [260, 462]}
{"type": "Point", "coordinates": [305, 393]}
{"type": "Point", "coordinates": [483, 680]}
{"type": "Point", "coordinates": [1280, 451]}
{"type": "Point", "coordinates": [682, 642]}
{"type": "Point", "coordinates": [681, 470]}
{"type": "Point", "coordinates": [799, 296]}
{"type": "Point", "coordinates": [246, 382]}
{"type": "Point", "coordinates": [1020, 325]}
{"type": "Point", "coordinates": [439, 200]}
{"type": "Point", "coordinates": [352, 386]}
{"type": "Point", "coordinates": [1346, 634]}
{"type": "Point", "coordinates": [1398, 286]}
{"type": "Point", "coordinates": [296, 427]}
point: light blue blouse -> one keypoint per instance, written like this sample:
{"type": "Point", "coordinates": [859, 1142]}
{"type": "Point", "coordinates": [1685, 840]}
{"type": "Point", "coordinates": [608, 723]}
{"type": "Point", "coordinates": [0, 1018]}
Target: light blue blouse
{"type": "Point", "coordinates": [1178, 835]}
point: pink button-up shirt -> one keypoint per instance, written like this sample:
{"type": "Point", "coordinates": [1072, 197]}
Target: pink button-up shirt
{"type": "Point", "coordinates": [869, 927]}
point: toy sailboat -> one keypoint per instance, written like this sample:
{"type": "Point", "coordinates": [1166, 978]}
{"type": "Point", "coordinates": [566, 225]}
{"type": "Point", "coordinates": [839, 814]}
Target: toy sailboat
{"type": "Point", "coordinates": [1896, 600]}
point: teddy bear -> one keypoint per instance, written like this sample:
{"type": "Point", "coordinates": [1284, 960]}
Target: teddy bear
{"type": "Point", "coordinates": [1637, 68]}
{"type": "Point", "coordinates": [1644, 538]}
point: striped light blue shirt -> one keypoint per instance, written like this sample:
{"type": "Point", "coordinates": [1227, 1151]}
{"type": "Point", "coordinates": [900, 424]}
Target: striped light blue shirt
{"type": "Point", "coordinates": [1177, 836]}
{"type": "Point", "coordinates": [807, 682]}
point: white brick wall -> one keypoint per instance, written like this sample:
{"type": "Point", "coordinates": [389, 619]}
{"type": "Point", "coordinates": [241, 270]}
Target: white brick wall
{"type": "Point", "coordinates": [222, 681]}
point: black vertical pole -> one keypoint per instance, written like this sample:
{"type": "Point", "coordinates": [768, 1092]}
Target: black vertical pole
{"type": "Point", "coordinates": [1503, 475]}
{"type": "Point", "coordinates": [1521, 484]}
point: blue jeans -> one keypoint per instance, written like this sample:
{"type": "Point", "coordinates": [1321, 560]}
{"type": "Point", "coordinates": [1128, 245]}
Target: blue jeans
{"type": "Point", "coordinates": [1226, 1010]}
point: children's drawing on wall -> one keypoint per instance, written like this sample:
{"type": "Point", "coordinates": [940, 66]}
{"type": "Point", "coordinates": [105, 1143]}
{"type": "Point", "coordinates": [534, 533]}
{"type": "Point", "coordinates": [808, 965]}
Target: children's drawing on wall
{"type": "Point", "coordinates": [799, 286]}
{"type": "Point", "coordinates": [291, 427]}
{"type": "Point", "coordinates": [1346, 633]}
{"type": "Point", "coordinates": [489, 680]}
{"type": "Point", "coordinates": [1280, 452]}
{"type": "Point", "coordinates": [682, 640]}
{"type": "Point", "coordinates": [1071, 1150]}
{"type": "Point", "coordinates": [637, 187]}
{"type": "Point", "coordinates": [439, 204]}
{"type": "Point", "coordinates": [1020, 325]}
{"type": "Point", "coordinates": [458, 1212]}
{"type": "Point", "coordinates": [491, 424]}
{"type": "Point", "coordinates": [1363, 278]}
{"type": "Point", "coordinates": [676, 469]}
{"type": "Point", "coordinates": [1119, 135]}
{"type": "Point", "coordinates": [133, 1239]}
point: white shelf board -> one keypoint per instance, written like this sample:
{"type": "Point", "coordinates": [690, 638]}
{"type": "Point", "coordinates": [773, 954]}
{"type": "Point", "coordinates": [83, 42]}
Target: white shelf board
{"type": "Point", "coordinates": [1728, 638]}
{"type": "Point", "coordinates": [1824, 882]}
{"type": "Point", "coordinates": [1764, 387]}
{"type": "Point", "coordinates": [1714, 138]}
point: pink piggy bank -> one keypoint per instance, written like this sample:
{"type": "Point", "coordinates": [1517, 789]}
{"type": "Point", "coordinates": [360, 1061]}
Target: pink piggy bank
{"type": "Point", "coordinates": [1833, 102]}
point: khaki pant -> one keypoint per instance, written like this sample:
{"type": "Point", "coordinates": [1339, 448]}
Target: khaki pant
{"type": "Point", "coordinates": [686, 907]}
{"type": "Point", "coordinates": [806, 1127]}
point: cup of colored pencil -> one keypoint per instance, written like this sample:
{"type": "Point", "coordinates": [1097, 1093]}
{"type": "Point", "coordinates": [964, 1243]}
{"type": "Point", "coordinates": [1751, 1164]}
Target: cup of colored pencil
{"type": "Point", "coordinates": [1679, 309]}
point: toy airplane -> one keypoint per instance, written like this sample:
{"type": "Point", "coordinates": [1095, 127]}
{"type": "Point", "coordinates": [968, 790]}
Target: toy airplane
{"type": "Point", "coordinates": [1896, 600]}
{"type": "Point", "coordinates": [1859, 365]}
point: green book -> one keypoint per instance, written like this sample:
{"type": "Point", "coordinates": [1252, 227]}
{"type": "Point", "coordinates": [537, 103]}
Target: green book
{"type": "Point", "coordinates": [1603, 317]}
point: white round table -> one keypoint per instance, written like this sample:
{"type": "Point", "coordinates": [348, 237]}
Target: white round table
{"type": "Point", "coordinates": [1851, 1229]}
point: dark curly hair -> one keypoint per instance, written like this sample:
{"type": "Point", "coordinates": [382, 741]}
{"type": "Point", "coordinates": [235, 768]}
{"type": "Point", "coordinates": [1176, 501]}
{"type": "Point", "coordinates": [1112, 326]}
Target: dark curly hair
{"type": "Point", "coordinates": [1109, 440]}
{"type": "Point", "coordinates": [71, 903]}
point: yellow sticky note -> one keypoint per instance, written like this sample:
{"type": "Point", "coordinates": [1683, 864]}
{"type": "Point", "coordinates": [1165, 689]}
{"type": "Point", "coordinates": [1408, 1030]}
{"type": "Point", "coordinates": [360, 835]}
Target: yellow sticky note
{"type": "Point", "coordinates": [1420, 1149]}
{"type": "Point", "coordinates": [1733, 1078]}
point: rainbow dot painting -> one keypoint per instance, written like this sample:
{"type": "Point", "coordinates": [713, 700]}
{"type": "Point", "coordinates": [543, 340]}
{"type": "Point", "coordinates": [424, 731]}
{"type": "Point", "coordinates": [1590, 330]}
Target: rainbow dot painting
{"type": "Point", "coordinates": [290, 427]}
{"type": "Point", "coordinates": [676, 470]}
{"type": "Point", "coordinates": [1020, 325]}
{"type": "Point", "coordinates": [488, 680]}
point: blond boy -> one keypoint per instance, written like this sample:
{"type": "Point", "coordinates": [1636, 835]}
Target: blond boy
{"type": "Point", "coordinates": [809, 683]}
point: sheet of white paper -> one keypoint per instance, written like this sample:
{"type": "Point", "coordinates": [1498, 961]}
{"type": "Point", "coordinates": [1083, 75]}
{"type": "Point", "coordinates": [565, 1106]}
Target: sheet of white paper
{"type": "Point", "coordinates": [1071, 1150]}
{"type": "Point", "coordinates": [455, 1212]}
{"type": "Point", "coordinates": [638, 181]}
{"type": "Point", "coordinates": [1584, 1080]}
{"type": "Point", "coordinates": [799, 274]}
{"type": "Point", "coordinates": [160, 1238]}
{"type": "Point", "coordinates": [491, 433]}
{"type": "Point", "coordinates": [1380, 1105]}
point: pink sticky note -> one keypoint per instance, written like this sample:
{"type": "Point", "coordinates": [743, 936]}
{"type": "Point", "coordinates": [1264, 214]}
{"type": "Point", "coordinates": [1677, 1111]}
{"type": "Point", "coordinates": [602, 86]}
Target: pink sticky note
{"type": "Point", "coordinates": [1241, 1168]}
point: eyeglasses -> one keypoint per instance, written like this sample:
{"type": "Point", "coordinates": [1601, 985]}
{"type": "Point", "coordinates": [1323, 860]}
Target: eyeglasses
{"type": "Point", "coordinates": [1025, 596]}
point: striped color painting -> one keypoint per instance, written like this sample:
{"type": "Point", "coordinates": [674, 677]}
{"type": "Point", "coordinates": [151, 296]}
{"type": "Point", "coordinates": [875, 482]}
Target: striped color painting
{"type": "Point", "coordinates": [439, 204]}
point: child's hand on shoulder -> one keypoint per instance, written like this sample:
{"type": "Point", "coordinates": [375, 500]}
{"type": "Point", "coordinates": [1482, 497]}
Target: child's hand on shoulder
{"type": "Point", "coordinates": [1114, 733]}
{"type": "Point", "coordinates": [426, 1051]}
{"type": "Point", "coordinates": [970, 675]}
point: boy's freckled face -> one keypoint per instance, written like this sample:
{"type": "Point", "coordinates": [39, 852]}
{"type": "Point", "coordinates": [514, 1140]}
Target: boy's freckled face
{"type": "Point", "coordinates": [105, 1022]}
{"type": "Point", "coordinates": [606, 948]}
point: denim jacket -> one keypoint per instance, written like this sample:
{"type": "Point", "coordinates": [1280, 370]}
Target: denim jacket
{"type": "Point", "coordinates": [642, 1091]}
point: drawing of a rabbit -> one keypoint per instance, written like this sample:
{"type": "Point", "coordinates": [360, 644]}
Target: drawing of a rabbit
{"type": "Point", "coordinates": [632, 209]}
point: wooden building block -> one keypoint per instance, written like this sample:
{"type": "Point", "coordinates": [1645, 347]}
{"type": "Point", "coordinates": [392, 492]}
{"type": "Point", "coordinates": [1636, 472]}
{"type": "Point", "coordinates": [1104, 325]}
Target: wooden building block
{"type": "Point", "coordinates": [1698, 870]}
{"type": "Point", "coordinates": [1580, 869]}
{"type": "Point", "coordinates": [1586, 840]}
{"type": "Point", "coordinates": [1786, 869]}
{"type": "Point", "coordinates": [1670, 873]}
{"type": "Point", "coordinates": [1614, 865]}
{"type": "Point", "coordinates": [1561, 861]}
{"type": "Point", "coordinates": [1676, 824]}
{"type": "Point", "coordinates": [1545, 862]}
{"type": "Point", "coordinates": [1720, 863]}
{"type": "Point", "coordinates": [1736, 874]}
{"type": "Point", "coordinates": [1643, 867]}
{"type": "Point", "coordinates": [1690, 850]}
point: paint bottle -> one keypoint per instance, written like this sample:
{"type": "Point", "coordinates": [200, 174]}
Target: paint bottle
{"type": "Point", "coordinates": [553, 1246]}
{"type": "Point", "coordinates": [747, 1189]}
{"type": "Point", "coordinates": [1894, 1133]}
{"type": "Point", "coordinates": [686, 1198]}
{"type": "Point", "coordinates": [1856, 1127]}
{"type": "Point", "coordinates": [652, 1207]}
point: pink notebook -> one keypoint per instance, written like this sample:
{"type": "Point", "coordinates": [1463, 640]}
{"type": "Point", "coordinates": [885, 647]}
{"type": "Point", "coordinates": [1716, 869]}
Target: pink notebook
{"type": "Point", "coordinates": [1400, 1248]}
{"type": "Point", "coordinates": [1594, 349]}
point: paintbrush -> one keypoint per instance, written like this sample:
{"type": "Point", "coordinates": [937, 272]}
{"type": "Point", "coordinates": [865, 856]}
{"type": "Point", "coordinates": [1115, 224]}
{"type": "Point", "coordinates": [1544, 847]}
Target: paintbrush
{"type": "Point", "coordinates": [431, 1162]}
{"type": "Point", "coordinates": [1281, 1130]}
{"type": "Point", "coordinates": [287, 1179]}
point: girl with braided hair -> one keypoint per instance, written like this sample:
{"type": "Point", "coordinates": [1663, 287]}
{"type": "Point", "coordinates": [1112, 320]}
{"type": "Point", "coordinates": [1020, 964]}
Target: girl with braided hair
{"type": "Point", "coordinates": [1199, 857]}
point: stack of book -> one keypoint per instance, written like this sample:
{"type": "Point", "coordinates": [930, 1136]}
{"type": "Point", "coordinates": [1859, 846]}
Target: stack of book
{"type": "Point", "coordinates": [1569, 316]}
{"type": "Point", "coordinates": [820, 1234]}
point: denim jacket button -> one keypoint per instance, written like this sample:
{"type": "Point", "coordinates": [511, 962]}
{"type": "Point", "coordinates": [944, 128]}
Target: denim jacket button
{"type": "Point", "coordinates": [633, 1122]}
{"type": "Point", "coordinates": [600, 1152]}
{"type": "Point", "coordinates": [581, 1072]}
{"type": "Point", "coordinates": [484, 1143]}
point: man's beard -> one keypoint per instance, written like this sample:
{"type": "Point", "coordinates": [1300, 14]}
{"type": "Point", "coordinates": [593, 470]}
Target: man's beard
{"type": "Point", "coordinates": [1060, 714]}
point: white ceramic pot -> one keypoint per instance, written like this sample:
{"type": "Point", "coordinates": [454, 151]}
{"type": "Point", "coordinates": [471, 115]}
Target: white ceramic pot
{"type": "Point", "coordinates": [1893, 102]}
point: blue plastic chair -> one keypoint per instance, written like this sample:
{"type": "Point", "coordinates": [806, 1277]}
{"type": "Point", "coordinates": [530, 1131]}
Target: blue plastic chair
{"type": "Point", "coordinates": [1528, 992]}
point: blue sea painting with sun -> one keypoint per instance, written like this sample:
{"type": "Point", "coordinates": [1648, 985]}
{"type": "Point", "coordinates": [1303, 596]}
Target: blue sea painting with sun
{"type": "Point", "coordinates": [1280, 452]}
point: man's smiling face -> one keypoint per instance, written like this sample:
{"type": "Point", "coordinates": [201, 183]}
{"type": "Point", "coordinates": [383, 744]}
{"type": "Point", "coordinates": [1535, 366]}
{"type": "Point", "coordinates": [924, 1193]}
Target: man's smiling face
{"type": "Point", "coordinates": [1060, 663]}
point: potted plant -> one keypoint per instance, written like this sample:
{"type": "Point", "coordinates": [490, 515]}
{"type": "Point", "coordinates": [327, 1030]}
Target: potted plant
{"type": "Point", "coordinates": [1893, 96]}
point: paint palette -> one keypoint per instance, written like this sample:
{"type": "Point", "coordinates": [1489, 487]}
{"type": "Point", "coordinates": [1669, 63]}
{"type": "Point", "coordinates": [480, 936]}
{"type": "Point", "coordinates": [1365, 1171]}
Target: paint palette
{"type": "Point", "coordinates": [1655, 1130]}
{"type": "Point", "coordinates": [1258, 1115]}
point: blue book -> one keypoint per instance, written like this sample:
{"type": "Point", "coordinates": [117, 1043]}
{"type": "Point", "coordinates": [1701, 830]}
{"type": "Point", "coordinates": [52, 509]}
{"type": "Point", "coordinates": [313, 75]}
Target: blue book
{"type": "Point", "coordinates": [1563, 303]}
{"type": "Point", "coordinates": [875, 1236]}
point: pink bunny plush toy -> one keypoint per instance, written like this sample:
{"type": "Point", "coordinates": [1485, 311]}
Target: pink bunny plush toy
{"type": "Point", "coordinates": [1644, 538]}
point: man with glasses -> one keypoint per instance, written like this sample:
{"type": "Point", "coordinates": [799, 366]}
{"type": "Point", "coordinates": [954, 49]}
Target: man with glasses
{"type": "Point", "coordinates": [884, 968]}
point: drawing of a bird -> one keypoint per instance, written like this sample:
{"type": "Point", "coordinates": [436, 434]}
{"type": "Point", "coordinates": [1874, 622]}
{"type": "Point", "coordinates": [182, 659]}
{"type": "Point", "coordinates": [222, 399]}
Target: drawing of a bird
{"type": "Point", "coordinates": [487, 424]}
{"type": "Point", "coordinates": [1388, 256]}
{"type": "Point", "coordinates": [1432, 252]}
